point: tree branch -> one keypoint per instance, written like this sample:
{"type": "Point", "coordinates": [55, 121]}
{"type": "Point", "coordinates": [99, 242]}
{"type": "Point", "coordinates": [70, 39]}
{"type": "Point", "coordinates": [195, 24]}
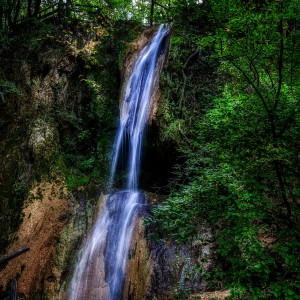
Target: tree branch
{"type": "Point", "coordinates": [280, 66]}
{"type": "Point", "coordinates": [5, 259]}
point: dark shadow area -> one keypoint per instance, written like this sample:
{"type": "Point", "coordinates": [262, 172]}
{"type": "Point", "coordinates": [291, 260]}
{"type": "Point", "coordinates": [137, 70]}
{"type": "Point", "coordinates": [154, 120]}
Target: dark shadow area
{"type": "Point", "coordinates": [157, 163]}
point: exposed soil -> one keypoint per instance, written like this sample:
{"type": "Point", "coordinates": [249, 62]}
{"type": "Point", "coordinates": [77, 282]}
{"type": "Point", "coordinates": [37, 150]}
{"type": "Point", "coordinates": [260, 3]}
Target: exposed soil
{"type": "Point", "coordinates": [43, 220]}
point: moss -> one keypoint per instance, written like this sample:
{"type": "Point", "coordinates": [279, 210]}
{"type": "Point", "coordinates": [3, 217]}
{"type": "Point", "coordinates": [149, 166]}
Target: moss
{"type": "Point", "coordinates": [76, 180]}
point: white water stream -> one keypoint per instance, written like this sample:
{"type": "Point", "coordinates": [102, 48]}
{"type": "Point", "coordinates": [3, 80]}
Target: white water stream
{"type": "Point", "coordinates": [101, 269]}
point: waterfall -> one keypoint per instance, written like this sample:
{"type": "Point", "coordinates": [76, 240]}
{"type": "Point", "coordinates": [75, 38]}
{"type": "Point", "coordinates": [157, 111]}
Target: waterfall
{"type": "Point", "coordinates": [101, 269]}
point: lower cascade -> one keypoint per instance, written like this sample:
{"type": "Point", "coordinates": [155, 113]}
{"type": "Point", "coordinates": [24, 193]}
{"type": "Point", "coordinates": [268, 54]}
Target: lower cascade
{"type": "Point", "coordinates": [101, 269]}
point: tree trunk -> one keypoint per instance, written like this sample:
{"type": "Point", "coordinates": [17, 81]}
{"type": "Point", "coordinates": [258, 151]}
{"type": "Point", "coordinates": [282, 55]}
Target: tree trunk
{"type": "Point", "coordinates": [13, 290]}
{"type": "Point", "coordinates": [7, 258]}
{"type": "Point", "coordinates": [151, 12]}
{"type": "Point", "coordinates": [17, 11]}
{"type": "Point", "coordinates": [29, 5]}
{"type": "Point", "coordinates": [1, 16]}
{"type": "Point", "coordinates": [37, 6]}
{"type": "Point", "coordinates": [9, 11]}
{"type": "Point", "coordinates": [68, 8]}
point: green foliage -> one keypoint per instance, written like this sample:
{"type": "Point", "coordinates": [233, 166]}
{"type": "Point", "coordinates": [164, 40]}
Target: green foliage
{"type": "Point", "coordinates": [233, 187]}
{"type": "Point", "coordinates": [188, 83]}
{"type": "Point", "coordinates": [74, 180]}
{"type": "Point", "coordinates": [181, 292]}
{"type": "Point", "coordinates": [241, 174]}
{"type": "Point", "coordinates": [40, 34]}
{"type": "Point", "coordinates": [8, 87]}
{"type": "Point", "coordinates": [20, 190]}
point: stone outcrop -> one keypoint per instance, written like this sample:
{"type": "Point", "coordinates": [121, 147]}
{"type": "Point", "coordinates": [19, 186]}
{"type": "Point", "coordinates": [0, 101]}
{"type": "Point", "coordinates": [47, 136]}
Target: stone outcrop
{"type": "Point", "coordinates": [139, 267]}
{"type": "Point", "coordinates": [162, 270]}
{"type": "Point", "coordinates": [43, 141]}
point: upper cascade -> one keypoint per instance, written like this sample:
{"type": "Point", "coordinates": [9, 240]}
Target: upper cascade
{"type": "Point", "coordinates": [137, 102]}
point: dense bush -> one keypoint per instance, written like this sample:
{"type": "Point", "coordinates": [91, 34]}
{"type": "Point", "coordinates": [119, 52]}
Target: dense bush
{"type": "Point", "coordinates": [241, 174]}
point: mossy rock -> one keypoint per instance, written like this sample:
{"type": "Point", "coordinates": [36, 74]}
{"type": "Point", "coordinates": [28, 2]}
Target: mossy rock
{"type": "Point", "coordinates": [43, 141]}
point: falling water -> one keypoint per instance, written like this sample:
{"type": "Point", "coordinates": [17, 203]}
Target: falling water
{"type": "Point", "coordinates": [100, 272]}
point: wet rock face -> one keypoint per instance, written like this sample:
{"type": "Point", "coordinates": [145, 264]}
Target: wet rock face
{"type": "Point", "coordinates": [139, 267]}
{"type": "Point", "coordinates": [165, 270]}
{"type": "Point", "coordinates": [177, 269]}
